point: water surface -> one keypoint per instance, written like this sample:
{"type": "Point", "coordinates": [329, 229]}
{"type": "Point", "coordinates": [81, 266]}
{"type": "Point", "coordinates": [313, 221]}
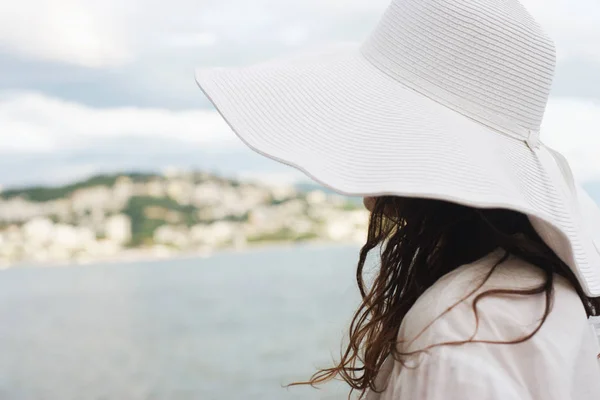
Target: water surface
{"type": "Point", "coordinates": [234, 326]}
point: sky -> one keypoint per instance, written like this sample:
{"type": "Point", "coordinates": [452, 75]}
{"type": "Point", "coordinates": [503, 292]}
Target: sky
{"type": "Point", "coordinates": [90, 86]}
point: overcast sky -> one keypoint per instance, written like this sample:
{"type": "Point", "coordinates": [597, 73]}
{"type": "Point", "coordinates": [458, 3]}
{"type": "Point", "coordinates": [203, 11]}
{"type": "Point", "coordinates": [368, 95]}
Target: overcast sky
{"type": "Point", "coordinates": [89, 86]}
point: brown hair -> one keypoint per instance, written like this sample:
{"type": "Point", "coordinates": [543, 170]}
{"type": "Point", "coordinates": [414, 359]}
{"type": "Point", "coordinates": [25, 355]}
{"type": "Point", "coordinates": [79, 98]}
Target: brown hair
{"type": "Point", "coordinates": [421, 240]}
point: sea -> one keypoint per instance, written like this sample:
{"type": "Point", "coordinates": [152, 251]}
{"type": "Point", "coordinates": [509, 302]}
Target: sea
{"type": "Point", "coordinates": [238, 325]}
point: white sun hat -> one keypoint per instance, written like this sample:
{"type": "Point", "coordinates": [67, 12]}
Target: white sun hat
{"type": "Point", "coordinates": [444, 100]}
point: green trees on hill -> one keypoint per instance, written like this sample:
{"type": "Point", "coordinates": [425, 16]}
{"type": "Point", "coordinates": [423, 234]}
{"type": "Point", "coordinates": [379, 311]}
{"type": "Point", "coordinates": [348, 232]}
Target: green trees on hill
{"type": "Point", "coordinates": [42, 193]}
{"type": "Point", "coordinates": [149, 213]}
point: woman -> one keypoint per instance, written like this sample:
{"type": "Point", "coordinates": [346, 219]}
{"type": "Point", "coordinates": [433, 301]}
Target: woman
{"type": "Point", "coordinates": [488, 267]}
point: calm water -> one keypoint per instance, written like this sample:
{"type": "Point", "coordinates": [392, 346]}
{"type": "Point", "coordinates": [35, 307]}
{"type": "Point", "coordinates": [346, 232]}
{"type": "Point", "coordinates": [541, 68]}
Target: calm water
{"type": "Point", "coordinates": [235, 326]}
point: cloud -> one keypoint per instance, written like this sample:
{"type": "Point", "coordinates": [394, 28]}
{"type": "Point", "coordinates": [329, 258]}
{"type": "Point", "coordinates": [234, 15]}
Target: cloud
{"type": "Point", "coordinates": [112, 32]}
{"type": "Point", "coordinates": [572, 24]}
{"type": "Point", "coordinates": [138, 153]}
{"type": "Point", "coordinates": [78, 32]}
{"type": "Point", "coordinates": [202, 39]}
{"type": "Point", "coordinates": [32, 122]}
{"type": "Point", "coordinates": [117, 53]}
{"type": "Point", "coordinates": [129, 79]}
{"type": "Point", "coordinates": [294, 35]}
{"type": "Point", "coordinates": [577, 78]}
{"type": "Point", "coordinates": [36, 124]}
{"type": "Point", "coordinates": [571, 127]}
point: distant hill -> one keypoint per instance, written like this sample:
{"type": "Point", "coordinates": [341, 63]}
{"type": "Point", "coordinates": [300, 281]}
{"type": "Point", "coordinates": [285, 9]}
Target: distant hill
{"type": "Point", "coordinates": [111, 215]}
{"type": "Point", "coordinates": [49, 193]}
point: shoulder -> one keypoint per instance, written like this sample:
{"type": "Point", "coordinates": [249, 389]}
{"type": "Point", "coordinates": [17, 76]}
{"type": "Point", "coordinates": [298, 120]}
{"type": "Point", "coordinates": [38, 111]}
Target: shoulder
{"type": "Point", "coordinates": [448, 311]}
{"type": "Point", "coordinates": [446, 314]}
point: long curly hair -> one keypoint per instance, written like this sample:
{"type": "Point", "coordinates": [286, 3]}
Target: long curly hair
{"type": "Point", "coordinates": [420, 241]}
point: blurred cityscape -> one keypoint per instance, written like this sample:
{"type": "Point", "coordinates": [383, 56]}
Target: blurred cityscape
{"type": "Point", "coordinates": [133, 216]}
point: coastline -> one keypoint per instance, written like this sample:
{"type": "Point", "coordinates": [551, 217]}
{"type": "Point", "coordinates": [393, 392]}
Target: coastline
{"type": "Point", "coordinates": [151, 255]}
{"type": "Point", "coordinates": [126, 218]}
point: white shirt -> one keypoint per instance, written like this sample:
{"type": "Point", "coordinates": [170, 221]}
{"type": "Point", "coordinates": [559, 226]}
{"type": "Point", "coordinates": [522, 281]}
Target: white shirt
{"type": "Point", "coordinates": [559, 363]}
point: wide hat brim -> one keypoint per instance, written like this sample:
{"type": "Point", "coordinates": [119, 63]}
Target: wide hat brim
{"type": "Point", "coordinates": [351, 127]}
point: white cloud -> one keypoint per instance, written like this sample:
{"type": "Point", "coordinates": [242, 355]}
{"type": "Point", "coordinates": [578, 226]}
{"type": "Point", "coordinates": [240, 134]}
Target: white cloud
{"type": "Point", "coordinates": [110, 32]}
{"type": "Point", "coordinates": [294, 35]}
{"type": "Point", "coordinates": [201, 39]}
{"type": "Point", "coordinates": [571, 127]}
{"type": "Point", "coordinates": [572, 24]}
{"type": "Point", "coordinates": [32, 122]}
{"type": "Point", "coordinates": [78, 32]}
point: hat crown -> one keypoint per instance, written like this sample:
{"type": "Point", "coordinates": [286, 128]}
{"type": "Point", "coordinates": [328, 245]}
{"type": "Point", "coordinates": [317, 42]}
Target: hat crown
{"type": "Point", "coordinates": [487, 59]}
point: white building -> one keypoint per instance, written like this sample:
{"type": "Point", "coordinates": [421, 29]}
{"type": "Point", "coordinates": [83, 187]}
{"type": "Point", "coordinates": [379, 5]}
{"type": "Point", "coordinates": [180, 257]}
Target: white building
{"type": "Point", "coordinates": [122, 191]}
{"type": "Point", "coordinates": [348, 226]}
{"type": "Point", "coordinates": [71, 237]}
{"type": "Point", "coordinates": [38, 231]}
{"type": "Point", "coordinates": [19, 209]}
{"type": "Point", "coordinates": [118, 229]}
{"type": "Point", "coordinates": [216, 234]}
{"type": "Point", "coordinates": [283, 192]}
{"type": "Point", "coordinates": [96, 197]}
{"type": "Point", "coordinates": [316, 197]}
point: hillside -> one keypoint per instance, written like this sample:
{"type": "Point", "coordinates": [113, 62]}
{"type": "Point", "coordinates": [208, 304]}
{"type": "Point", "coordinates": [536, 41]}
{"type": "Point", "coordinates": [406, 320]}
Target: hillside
{"type": "Point", "coordinates": [107, 215]}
